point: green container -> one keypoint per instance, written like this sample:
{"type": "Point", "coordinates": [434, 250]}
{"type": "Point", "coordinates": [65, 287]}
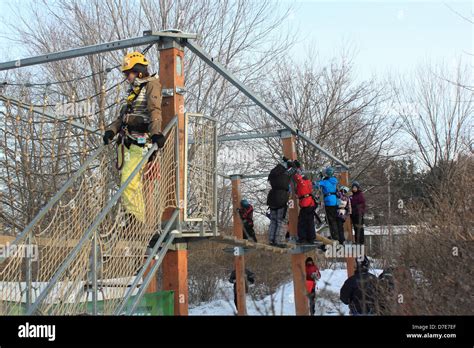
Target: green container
{"type": "Point", "coordinates": [157, 303]}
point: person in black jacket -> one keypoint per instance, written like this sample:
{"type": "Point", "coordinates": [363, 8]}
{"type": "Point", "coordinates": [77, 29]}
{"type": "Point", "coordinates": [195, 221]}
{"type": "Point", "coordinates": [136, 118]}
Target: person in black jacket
{"type": "Point", "coordinates": [277, 201]}
{"type": "Point", "coordinates": [359, 290]}
{"type": "Point", "coordinates": [249, 279]}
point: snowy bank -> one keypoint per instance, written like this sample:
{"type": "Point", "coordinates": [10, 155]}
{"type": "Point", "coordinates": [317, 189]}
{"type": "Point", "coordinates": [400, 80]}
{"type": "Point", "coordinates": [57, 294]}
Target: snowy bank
{"type": "Point", "coordinates": [282, 301]}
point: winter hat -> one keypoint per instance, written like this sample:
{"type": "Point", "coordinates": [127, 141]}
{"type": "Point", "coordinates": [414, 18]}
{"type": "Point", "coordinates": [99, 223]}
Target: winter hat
{"type": "Point", "coordinates": [244, 203]}
{"type": "Point", "coordinates": [356, 184]}
{"type": "Point", "coordinates": [329, 171]}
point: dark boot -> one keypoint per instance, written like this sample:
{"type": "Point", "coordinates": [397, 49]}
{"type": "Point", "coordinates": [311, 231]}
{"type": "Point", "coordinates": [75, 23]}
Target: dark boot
{"type": "Point", "coordinates": [153, 240]}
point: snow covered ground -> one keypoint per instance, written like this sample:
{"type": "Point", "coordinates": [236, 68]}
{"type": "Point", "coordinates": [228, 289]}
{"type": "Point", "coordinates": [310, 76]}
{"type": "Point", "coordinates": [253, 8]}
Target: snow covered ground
{"type": "Point", "coordinates": [282, 301]}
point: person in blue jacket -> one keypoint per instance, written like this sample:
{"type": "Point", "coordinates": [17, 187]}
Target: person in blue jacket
{"type": "Point", "coordinates": [328, 186]}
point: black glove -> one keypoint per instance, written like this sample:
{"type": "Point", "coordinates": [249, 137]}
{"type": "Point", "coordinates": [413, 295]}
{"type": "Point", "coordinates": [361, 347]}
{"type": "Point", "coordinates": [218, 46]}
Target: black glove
{"type": "Point", "coordinates": [285, 159]}
{"type": "Point", "coordinates": [297, 164]}
{"type": "Point", "coordinates": [158, 139]}
{"type": "Point", "coordinates": [108, 136]}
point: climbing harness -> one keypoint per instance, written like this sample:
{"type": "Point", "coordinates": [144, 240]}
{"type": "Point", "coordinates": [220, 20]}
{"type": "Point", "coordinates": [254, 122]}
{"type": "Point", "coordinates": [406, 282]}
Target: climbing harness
{"type": "Point", "coordinates": [127, 138]}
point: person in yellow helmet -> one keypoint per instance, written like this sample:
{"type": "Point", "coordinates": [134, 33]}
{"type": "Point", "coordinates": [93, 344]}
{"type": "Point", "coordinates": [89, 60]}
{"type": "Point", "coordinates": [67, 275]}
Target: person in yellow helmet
{"type": "Point", "coordinates": [138, 123]}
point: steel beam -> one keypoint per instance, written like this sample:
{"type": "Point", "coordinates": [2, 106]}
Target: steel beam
{"type": "Point", "coordinates": [248, 136]}
{"type": "Point", "coordinates": [262, 175]}
{"type": "Point", "coordinates": [148, 38]}
{"type": "Point", "coordinates": [196, 49]}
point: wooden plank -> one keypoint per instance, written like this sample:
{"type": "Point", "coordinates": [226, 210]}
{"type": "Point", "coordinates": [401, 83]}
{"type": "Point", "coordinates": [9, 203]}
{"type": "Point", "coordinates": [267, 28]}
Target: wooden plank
{"type": "Point", "coordinates": [251, 245]}
{"type": "Point", "coordinates": [324, 240]}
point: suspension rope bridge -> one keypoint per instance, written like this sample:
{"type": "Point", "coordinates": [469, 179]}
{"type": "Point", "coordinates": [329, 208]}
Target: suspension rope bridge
{"type": "Point", "coordinates": [64, 188]}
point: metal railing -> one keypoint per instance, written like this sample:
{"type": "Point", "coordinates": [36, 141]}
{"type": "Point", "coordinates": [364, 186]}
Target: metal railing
{"type": "Point", "coordinates": [157, 250]}
{"type": "Point", "coordinates": [91, 232]}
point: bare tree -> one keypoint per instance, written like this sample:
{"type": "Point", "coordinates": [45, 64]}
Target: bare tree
{"type": "Point", "coordinates": [346, 117]}
{"type": "Point", "coordinates": [351, 119]}
{"type": "Point", "coordinates": [437, 116]}
{"type": "Point", "coordinates": [240, 34]}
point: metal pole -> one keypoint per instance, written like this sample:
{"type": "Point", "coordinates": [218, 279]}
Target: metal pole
{"type": "Point", "coordinates": [89, 231]}
{"type": "Point", "coordinates": [196, 49]}
{"type": "Point", "coordinates": [215, 181]}
{"type": "Point", "coordinates": [389, 205]}
{"type": "Point", "coordinates": [148, 38]}
{"type": "Point", "coordinates": [28, 272]}
{"type": "Point", "coordinates": [152, 271]}
{"type": "Point", "coordinates": [177, 178]}
{"type": "Point", "coordinates": [94, 273]}
{"type": "Point", "coordinates": [248, 136]}
{"type": "Point", "coordinates": [184, 202]}
{"type": "Point", "coordinates": [265, 175]}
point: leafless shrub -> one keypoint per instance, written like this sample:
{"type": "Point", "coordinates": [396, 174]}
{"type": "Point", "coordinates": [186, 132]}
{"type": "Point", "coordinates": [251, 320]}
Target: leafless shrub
{"type": "Point", "coordinates": [433, 266]}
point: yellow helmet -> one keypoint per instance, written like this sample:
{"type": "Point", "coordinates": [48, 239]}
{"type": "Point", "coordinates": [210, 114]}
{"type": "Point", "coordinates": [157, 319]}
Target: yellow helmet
{"type": "Point", "coordinates": [131, 59]}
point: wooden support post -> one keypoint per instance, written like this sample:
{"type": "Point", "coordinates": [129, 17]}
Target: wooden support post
{"type": "Point", "coordinates": [350, 261]}
{"type": "Point", "coordinates": [297, 260]}
{"type": "Point", "coordinates": [172, 105]}
{"type": "Point", "coordinates": [239, 261]}
{"type": "Point", "coordinates": [175, 277]}
{"type": "Point", "coordinates": [175, 263]}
